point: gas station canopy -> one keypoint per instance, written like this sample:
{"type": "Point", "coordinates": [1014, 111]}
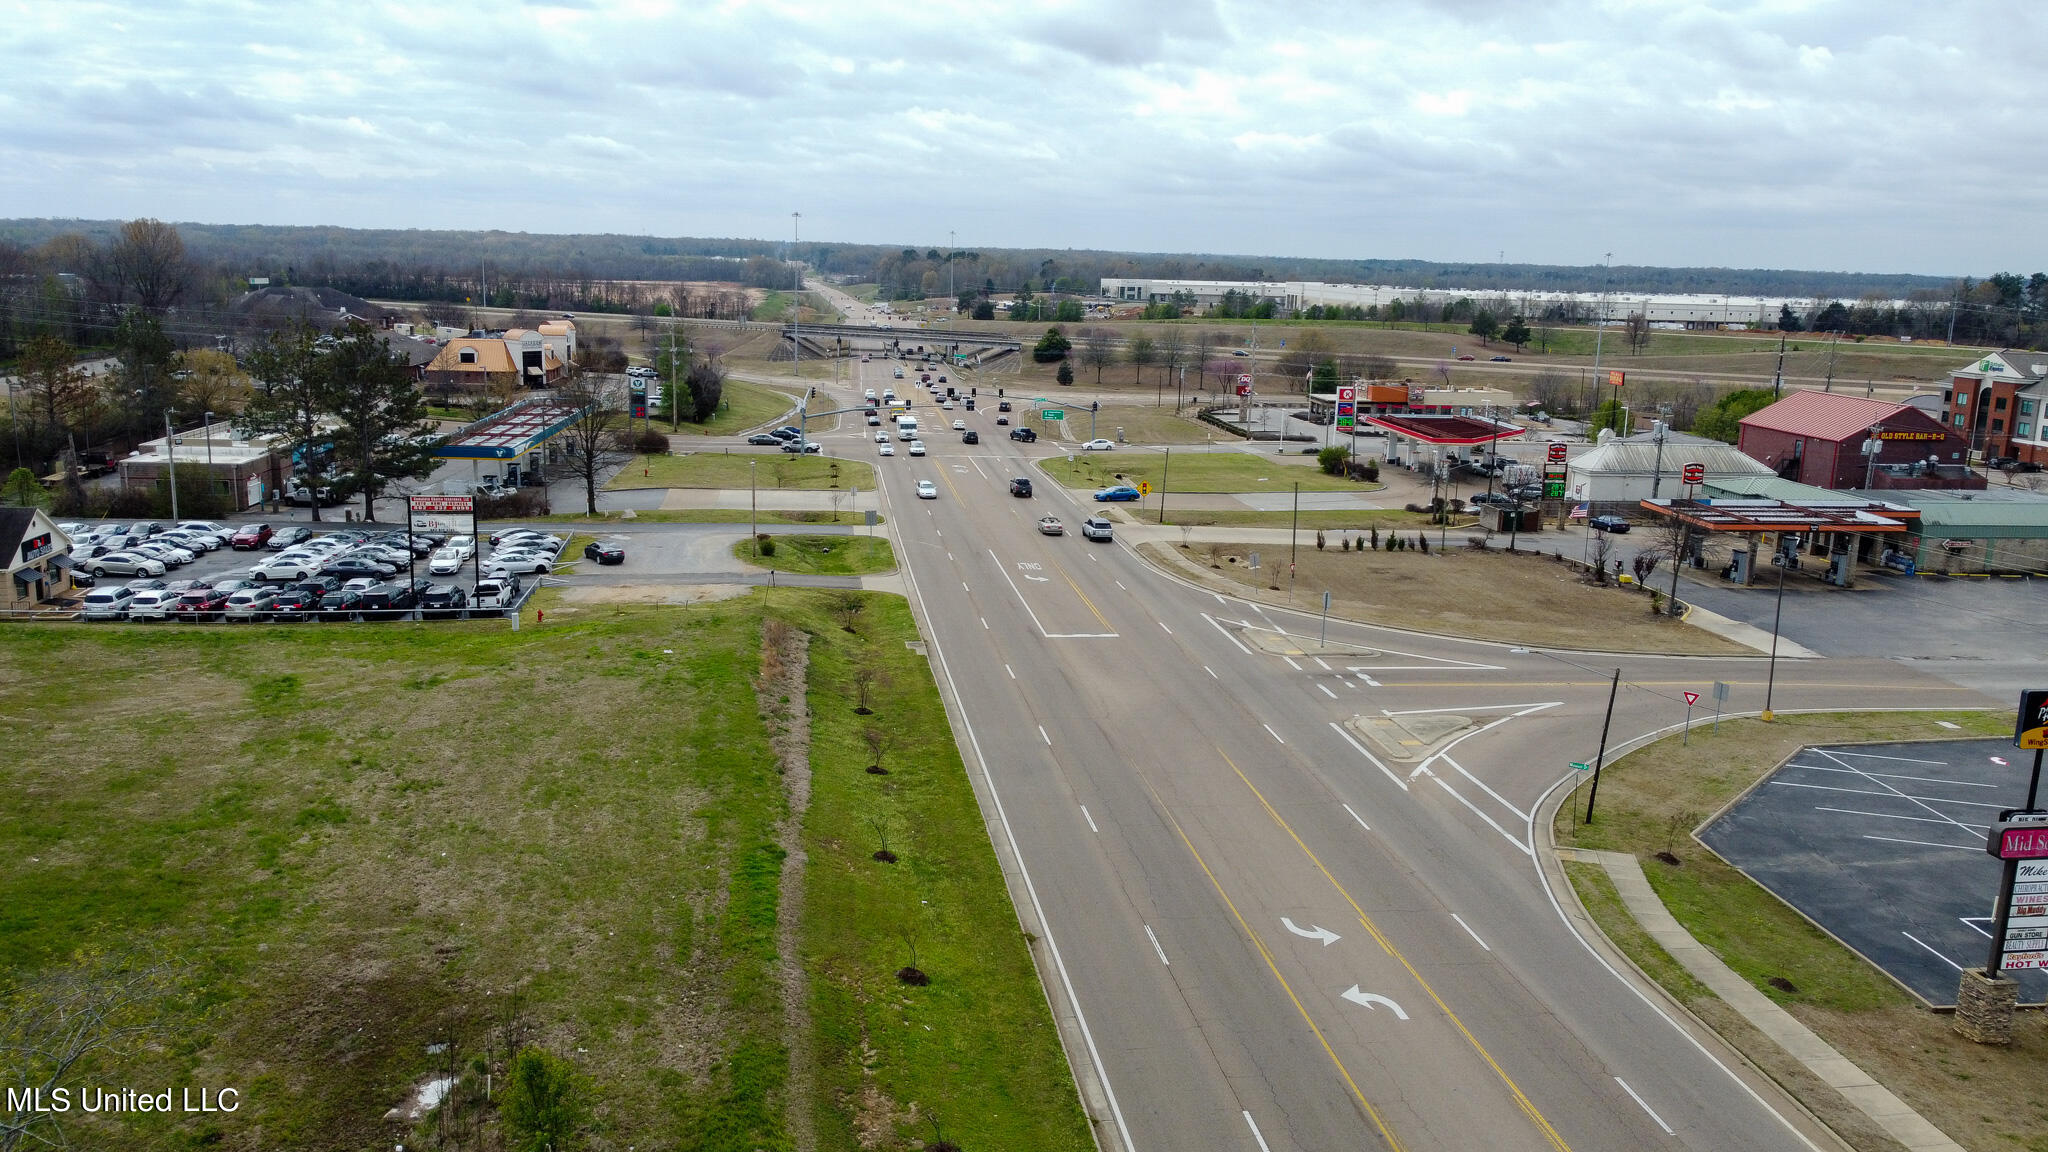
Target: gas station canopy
{"type": "Point", "coordinates": [1752, 516]}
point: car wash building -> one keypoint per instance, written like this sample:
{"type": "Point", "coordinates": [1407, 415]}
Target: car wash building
{"type": "Point", "coordinates": [513, 446]}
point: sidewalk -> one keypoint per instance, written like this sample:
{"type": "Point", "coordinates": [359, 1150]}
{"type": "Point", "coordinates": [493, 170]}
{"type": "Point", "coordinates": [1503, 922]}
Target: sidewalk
{"type": "Point", "coordinates": [1835, 1070]}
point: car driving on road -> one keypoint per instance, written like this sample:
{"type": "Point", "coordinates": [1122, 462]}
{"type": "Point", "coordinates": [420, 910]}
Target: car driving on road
{"type": "Point", "coordinates": [926, 490]}
{"type": "Point", "coordinates": [1051, 526]}
{"type": "Point", "coordinates": [1099, 444]}
{"type": "Point", "coordinates": [1097, 528]}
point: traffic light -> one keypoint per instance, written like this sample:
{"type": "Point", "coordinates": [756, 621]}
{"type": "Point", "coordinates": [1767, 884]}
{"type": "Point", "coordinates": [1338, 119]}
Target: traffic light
{"type": "Point", "coordinates": [1095, 405]}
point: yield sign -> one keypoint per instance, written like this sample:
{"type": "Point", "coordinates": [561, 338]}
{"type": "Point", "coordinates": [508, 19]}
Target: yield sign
{"type": "Point", "coordinates": [1691, 698]}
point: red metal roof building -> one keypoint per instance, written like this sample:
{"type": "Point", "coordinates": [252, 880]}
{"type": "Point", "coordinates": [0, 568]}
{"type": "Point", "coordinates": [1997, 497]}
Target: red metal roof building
{"type": "Point", "coordinates": [1433, 437]}
{"type": "Point", "coordinates": [1823, 439]}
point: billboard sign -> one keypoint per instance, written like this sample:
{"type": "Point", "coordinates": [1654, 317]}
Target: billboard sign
{"type": "Point", "coordinates": [1557, 451]}
{"type": "Point", "coordinates": [1694, 473]}
{"type": "Point", "coordinates": [2032, 729]}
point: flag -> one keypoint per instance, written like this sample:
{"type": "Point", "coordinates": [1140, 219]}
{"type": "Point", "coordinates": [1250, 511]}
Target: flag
{"type": "Point", "coordinates": [1579, 512]}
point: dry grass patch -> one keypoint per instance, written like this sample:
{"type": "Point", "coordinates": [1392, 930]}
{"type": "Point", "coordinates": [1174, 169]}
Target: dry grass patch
{"type": "Point", "coordinates": [1527, 598]}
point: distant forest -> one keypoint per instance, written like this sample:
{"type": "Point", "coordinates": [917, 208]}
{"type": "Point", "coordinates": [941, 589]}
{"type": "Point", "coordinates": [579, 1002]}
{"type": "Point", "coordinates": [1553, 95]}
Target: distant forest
{"type": "Point", "coordinates": [604, 272]}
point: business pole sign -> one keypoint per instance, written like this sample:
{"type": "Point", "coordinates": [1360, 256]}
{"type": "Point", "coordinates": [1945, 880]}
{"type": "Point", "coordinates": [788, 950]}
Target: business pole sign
{"type": "Point", "coordinates": [2031, 730]}
{"type": "Point", "coordinates": [1693, 473]}
{"type": "Point", "coordinates": [1347, 408]}
{"type": "Point", "coordinates": [1616, 377]}
{"type": "Point", "coordinates": [1244, 385]}
{"type": "Point", "coordinates": [1556, 451]}
{"type": "Point", "coordinates": [455, 514]}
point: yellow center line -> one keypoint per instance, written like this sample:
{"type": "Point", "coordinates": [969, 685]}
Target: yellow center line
{"type": "Point", "coordinates": [1528, 1106]}
{"type": "Point", "coordinates": [1081, 594]}
{"type": "Point", "coordinates": [1273, 966]}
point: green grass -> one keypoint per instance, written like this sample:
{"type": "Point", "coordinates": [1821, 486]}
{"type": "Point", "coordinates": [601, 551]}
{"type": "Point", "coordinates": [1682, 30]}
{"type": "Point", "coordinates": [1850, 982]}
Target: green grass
{"type": "Point", "coordinates": [743, 468]}
{"type": "Point", "coordinates": [1194, 472]}
{"type": "Point", "coordinates": [823, 555]}
{"type": "Point", "coordinates": [865, 293]}
{"type": "Point", "coordinates": [742, 405]}
{"type": "Point", "coordinates": [343, 844]}
{"type": "Point", "coordinates": [713, 516]}
{"type": "Point", "coordinates": [1147, 510]}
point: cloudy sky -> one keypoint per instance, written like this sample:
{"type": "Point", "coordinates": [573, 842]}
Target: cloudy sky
{"type": "Point", "coordinates": [1866, 135]}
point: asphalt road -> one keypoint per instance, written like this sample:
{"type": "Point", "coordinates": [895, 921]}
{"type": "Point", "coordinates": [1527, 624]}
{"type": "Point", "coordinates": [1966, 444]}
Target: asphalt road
{"type": "Point", "coordinates": [1260, 929]}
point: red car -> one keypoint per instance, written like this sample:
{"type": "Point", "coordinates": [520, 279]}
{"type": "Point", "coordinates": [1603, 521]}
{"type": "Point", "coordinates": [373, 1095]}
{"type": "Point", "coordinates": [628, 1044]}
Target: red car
{"type": "Point", "coordinates": [250, 536]}
{"type": "Point", "coordinates": [201, 603]}
{"type": "Point", "coordinates": [1468, 357]}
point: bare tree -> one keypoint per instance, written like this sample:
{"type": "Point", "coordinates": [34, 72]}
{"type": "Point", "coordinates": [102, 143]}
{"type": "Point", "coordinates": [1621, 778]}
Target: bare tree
{"type": "Point", "coordinates": [1096, 351]}
{"type": "Point", "coordinates": [594, 443]}
{"type": "Point", "coordinates": [1140, 351]}
{"type": "Point", "coordinates": [62, 1017]}
{"type": "Point", "coordinates": [213, 383]}
{"type": "Point", "coordinates": [1173, 351]}
{"type": "Point", "coordinates": [1551, 391]}
{"type": "Point", "coordinates": [148, 263]}
{"type": "Point", "coordinates": [1636, 330]}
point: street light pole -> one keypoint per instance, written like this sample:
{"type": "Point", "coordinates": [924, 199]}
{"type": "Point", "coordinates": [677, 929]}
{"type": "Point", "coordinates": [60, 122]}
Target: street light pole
{"type": "Point", "coordinates": [1778, 615]}
{"type": "Point", "coordinates": [208, 433]}
{"type": "Point", "coordinates": [171, 458]}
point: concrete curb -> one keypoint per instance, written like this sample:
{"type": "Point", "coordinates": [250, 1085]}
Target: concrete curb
{"type": "Point", "coordinates": [1856, 1086]}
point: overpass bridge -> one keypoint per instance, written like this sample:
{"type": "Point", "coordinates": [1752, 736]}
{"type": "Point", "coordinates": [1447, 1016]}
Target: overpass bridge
{"type": "Point", "coordinates": [977, 349]}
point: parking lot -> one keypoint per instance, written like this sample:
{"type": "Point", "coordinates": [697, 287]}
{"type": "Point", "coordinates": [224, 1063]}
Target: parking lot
{"type": "Point", "coordinates": [266, 571]}
{"type": "Point", "coordinates": [1883, 846]}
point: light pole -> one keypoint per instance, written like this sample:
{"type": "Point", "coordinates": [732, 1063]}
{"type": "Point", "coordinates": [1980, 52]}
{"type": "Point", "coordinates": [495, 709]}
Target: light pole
{"type": "Point", "coordinates": [171, 459]}
{"type": "Point", "coordinates": [754, 503]}
{"type": "Point", "coordinates": [1771, 680]}
{"type": "Point", "coordinates": [208, 433]}
{"type": "Point", "coordinates": [796, 300]}
{"type": "Point", "coordinates": [950, 290]}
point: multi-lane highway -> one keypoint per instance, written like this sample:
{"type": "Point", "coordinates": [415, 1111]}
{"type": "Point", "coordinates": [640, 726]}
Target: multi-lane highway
{"type": "Point", "coordinates": [1261, 929]}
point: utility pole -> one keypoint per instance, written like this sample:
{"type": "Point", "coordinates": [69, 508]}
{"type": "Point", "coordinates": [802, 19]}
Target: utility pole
{"type": "Point", "coordinates": [1778, 377]}
{"type": "Point", "coordinates": [796, 342]}
{"type": "Point", "coordinates": [1830, 385]}
{"type": "Point", "coordinates": [1601, 758]}
{"type": "Point", "coordinates": [171, 462]}
{"type": "Point", "coordinates": [1657, 470]}
{"type": "Point", "coordinates": [950, 291]}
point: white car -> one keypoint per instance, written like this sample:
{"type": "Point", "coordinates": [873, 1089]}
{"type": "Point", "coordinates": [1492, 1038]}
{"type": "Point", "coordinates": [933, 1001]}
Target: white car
{"type": "Point", "coordinates": [1099, 444]}
{"type": "Point", "coordinates": [926, 490]}
{"type": "Point", "coordinates": [446, 563]}
{"type": "Point", "coordinates": [959, 425]}
{"type": "Point", "coordinates": [917, 447]}
{"type": "Point", "coordinates": [946, 404]}
{"type": "Point", "coordinates": [887, 449]}
{"type": "Point", "coordinates": [154, 604]}
{"type": "Point", "coordinates": [881, 437]}
{"type": "Point", "coordinates": [287, 568]}
{"type": "Point", "coordinates": [465, 545]}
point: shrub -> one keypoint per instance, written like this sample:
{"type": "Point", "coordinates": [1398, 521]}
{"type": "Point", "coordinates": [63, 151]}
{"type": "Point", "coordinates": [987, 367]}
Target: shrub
{"type": "Point", "coordinates": [545, 1102]}
{"type": "Point", "coordinates": [1332, 459]}
{"type": "Point", "coordinates": [764, 545]}
{"type": "Point", "coordinates": [1319, 540]}
{"type": "Point", "coordinates": [648, 442]}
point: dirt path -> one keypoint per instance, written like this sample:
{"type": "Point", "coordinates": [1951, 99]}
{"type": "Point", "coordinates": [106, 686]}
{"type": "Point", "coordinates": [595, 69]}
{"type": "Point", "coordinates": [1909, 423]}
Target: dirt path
{"type": "Point", "coordinates": [785, 663]}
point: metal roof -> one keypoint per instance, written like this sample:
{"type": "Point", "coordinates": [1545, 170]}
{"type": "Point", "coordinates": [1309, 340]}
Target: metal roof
{"type": "Point", "coordinates": [1447, 430]}
{"type": "Point", "coordinates": [1827, 415]}
{"type": "Point", "coordinates": [1999, 513]}
{"type": "Point", "coordinates": [1637, 456]}
{"type": "Point", "coordinates": [512, 432]}
{"type": "Point", "coordinates": [1779, 516]}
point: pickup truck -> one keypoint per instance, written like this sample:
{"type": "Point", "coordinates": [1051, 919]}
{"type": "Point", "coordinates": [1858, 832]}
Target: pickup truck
{"type": "Point", "coordinates": [300, 495]}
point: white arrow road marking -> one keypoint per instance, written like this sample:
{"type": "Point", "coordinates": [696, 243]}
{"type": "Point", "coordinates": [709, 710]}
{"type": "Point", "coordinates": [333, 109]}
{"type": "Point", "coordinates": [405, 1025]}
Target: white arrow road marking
{"type": "Point", "coordinates": [1312, 932]}
{"type": "Point", "coordinates": [1372, 999]}
{"type": "Point", "coordinates": [1040, 579]}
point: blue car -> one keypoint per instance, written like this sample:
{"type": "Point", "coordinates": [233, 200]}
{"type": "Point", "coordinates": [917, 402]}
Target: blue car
{"type": "Point", "coordinates": [1120, 492]}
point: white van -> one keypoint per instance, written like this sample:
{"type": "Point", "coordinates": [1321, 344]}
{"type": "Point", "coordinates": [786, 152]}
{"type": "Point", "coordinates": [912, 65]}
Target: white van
{"type": "Point", "coordinates": [906, 427]}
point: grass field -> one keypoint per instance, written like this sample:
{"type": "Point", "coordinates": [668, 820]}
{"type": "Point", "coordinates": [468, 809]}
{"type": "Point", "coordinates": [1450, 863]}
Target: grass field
{"type": "Point", "coordinates": [328, 848]}
{"type": "Point", "coordinates": [1195, 472]}
{"type": "Point", "coordinates": [1650, 800]}
{"type": "Point", "coordinates": [822, 555]}
{"type": "Point", "coordinates": [1334, 521]}
{"type": "Point", "coordinates": [1145, 424]}
{"type": "Point", "coordinates": [1523, 599]}
{"type": "Point", "coordinates": [743, 405]}
{"type": "Point", "coordinates": [742, 468]}
{"type": "Point", "coordinates": [712, 516]}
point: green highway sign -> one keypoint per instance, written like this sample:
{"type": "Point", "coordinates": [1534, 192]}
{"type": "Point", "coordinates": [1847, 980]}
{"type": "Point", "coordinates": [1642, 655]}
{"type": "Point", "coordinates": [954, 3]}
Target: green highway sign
{"type": "Point", "coordinates": [1053, 414]}
{"type": "Point", "coordinates": [1582, 767]}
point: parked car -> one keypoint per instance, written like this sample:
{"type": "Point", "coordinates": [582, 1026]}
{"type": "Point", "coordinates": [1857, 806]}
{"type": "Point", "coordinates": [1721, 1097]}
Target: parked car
{"type": "Point", "coordinates": [443, 597]}
{"type": "Point", "coordinates": [108, 603]}
{"type": "Point", "coordinates": [1097, 528]}
{"type": "Point", "coordinates": [464, 545]}
{"type": "Point", "coordinates": [1614, 524]}
{"type": "Point", "coordinates": [532, 563]}
{"type": "Point", "coordinates": [195, 604]}
{"type": "Point", "coordinates": [496, 592]}
{"type": "Point", "coordinates": [926, 490]}
{"type": "Point", "coordinates": [605, 552]}
{"type": "Point", "coordinates": [249, 604]}
{"type": "Point", "coordinates": [125, 564]}
{"type": "Point", "coordinates": [287, 536]}
{"type": "Point", "coordinates": [1024, 434]}
{"type": "Point", "coordinates": [446, 563]}
{"type": "Point", "coordinates": [295, 601]}
{"type": "Point", "coordinates": [1119, 492]}
{"type": "Point", "coordinates": [1051, 526]}
{"type": "Point", "coordinates": [1099, 444]}
{"type": "Point", "coordinates": [159, 548]}
{"type": "Point", "coordinates": [285, 568]}
{"type": "Point", "coordinates": [381, 601]}
{"type": "Point", "coordinates": [1021, 486]}
{"type": "Point", "coordinates": [1497, 499]}
{"type": "Point", "coordinates": [340, 604]}
{"type": "Point", "coordinates": [152, 605]}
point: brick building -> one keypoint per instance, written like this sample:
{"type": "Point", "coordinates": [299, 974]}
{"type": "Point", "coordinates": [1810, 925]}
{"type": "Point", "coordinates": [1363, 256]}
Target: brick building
{"type": "Point", "coordinates": [1825, 439]}
{"type": "Point", "coordinates": [1997, 404]}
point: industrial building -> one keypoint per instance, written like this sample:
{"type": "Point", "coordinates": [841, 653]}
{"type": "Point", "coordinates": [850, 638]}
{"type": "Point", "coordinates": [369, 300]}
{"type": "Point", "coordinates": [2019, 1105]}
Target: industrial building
{"type": "Point", "coordinates": [1829, 440]}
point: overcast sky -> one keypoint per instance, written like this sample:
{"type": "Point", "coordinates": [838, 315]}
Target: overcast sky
{"type": "Point", "coordinates": [1865, 135]}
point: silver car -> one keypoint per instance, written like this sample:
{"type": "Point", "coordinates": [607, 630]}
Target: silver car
{"type": "Point", "coordinates": [125, 564]}
{"type": "Point", "coordinates": [250, 604]}
{"type": "Point", "coordinates": [108, 603]}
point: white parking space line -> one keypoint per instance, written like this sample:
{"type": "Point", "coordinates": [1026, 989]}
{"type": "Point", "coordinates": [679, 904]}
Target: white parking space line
{"type": "Point", "coordinates": [1470, 932]}
{"type": "Point", "coordinates": [1326, 691]}
{"type": "Point", "coordinates": [1977, 847]}
{"type": "Point", "coordinates": [1644, 1105]}
{"type": "Point", "coordinates": [1896, 816]}
{"type": "Point", "coordinates": [1931, 948]}
{"type": "Point", "coordinates": [1043, 736]}
{"type": "Point", "coordinates": [1360, 748]}
{"type": "Point", "coordinates": [1090, 820]}
{"type": "Point", "coordinates": [1156, 947]}
{"type": "Point", "coordinates": [1357, 817]}
{"type": "Point", "coordinates": [1890, 793]}
{"type": "Point", "coordinates": [1255, 1133]}
{"type": "Point", "coordinates": [1894, 776]}
{"type": "Point", "coordinates": [1270, 732]}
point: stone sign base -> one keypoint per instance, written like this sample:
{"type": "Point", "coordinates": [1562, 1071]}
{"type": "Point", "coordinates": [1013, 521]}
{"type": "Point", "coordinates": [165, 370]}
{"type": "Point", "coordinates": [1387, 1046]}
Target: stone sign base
{"type": "Point", "coordinates": [1984, 1007]}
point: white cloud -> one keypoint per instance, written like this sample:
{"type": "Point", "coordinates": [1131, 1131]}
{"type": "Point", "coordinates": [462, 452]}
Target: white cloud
{"type": "Point", "coordinates": [1829, 133]}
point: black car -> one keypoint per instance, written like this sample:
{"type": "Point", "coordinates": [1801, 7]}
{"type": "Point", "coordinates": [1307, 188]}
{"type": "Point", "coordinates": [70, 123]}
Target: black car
{"type": "Point", "coordinates": [1003, 407]}
{"type": "Point", "coordinates": [605, 552]}
{"type": "Point", "coordinates": [443, 596]}
{"type": "Point", "coordinates": [381, 601]}
{"type": "Point", "coordinates": [970, 437]}
{"type": "Point", "coordinates": [1498, 499]}
{"type": "Point", "coordinates": [1024, 434]}
{"type": "Point", "coordinates": [764, 439]}
{"type": "Point", "coordinates": [1021, 486]}
{"type": "Point", "coordinates": [296, 600]}
{"type": "Point", "coordinates": [340, 604]}
{"type": "Point", "coordinates": [350, 567]}
{"type": "Point", "coordinates": [789, 432]}
{"type": "Point", "coordinates": [1614, 524]}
